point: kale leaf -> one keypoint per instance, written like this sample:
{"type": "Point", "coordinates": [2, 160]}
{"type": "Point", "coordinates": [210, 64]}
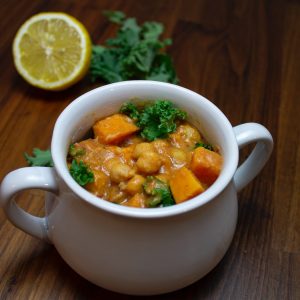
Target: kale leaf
{"type": "Point", "coordinates": [162, 69]}
{"type": "Point", "coordinates": [41, 158]}
{"type": "Point", "coordinates": [159, 191]}
{"type": "Point", "coordinates": [115, 16]}
{"type": "Point", "coordinates": [204, 145]}
{"type": "Point", "coordinates": [75, 151]}
{"type": "Point", "coordinates": [156, 120]}
{"type": "Point", "coordinates": [159, 119]}
{"type": "Point", "coordinates": [81, 173]}
{"type": "Point", "coordinates": [134, 53]}
{"type": "Point", "coordinates": [130, 110]}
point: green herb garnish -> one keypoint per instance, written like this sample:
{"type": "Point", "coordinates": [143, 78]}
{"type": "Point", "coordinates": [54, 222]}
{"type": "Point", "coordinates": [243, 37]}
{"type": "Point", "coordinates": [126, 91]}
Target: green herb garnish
{"type": "Point", "coordinates": [159, 119]}
{"type": "Point", "coordinates": [156, 120]}
{"type": "Point", "coordinates": [130, 110]}
{"type": "Point", "coordinates": [159, 191]}
{"type": "Point", "coordinates": [204, 145]}
{"type": "Point", "coordinates": [75, 151]}
{"type": "Point", "coordinates": [40, 157]}
{"type": "Point", "coordinates": [135, 53]}
{"type": "Point", "coordinates": [81, 173]}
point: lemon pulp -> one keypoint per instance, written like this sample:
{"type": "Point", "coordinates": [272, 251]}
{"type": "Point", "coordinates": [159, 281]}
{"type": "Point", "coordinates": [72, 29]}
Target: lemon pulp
{"type": "Point", "coordinates": [52, 50]}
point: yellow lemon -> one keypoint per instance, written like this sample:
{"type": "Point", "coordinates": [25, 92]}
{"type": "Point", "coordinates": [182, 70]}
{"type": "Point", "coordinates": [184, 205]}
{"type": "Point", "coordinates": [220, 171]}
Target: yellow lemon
{"type": "Point", "coordinates": [52, 50]}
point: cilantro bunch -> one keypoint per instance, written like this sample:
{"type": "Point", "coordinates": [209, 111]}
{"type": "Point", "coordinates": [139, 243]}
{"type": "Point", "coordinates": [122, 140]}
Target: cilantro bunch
{"type": "Point", "coordinates": [135, 53]}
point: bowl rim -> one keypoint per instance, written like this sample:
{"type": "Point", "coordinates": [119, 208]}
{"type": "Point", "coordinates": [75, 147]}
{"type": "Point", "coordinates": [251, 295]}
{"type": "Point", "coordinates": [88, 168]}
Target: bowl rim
{"type": "Point", "coordinates": [212, 192]}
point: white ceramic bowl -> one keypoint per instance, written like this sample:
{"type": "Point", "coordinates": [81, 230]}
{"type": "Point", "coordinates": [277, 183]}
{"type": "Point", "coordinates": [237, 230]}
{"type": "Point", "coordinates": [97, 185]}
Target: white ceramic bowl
{"type": "Point", "coordinates": [133, 250]}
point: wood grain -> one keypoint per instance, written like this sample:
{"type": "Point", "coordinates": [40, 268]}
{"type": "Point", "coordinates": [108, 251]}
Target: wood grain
{"type": "Point", "coordinates": [242, 55]}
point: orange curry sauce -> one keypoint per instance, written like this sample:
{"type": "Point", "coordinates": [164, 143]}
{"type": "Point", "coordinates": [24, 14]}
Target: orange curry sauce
{"type": "Point", "coordinates": [122, 162]}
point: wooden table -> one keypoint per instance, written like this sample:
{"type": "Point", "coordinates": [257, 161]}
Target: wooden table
{"type": "Point", "coordinates": [244, 56]}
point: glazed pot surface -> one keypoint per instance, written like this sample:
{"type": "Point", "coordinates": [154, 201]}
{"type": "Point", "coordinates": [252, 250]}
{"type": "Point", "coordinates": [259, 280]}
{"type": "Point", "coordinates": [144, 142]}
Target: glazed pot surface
{"type": "Point", "coordinates": [134, 250]}
{"type": "Point", "coordinates": [142, 256]}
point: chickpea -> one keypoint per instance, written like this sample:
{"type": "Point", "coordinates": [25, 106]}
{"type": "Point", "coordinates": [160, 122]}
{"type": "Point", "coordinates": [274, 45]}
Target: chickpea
{"type": "Point", "coordinates": [142, 148]}
{"type": "Point", "coordinates": [178, 156]}
{"type": "Point", "coordinates": [132, 140]}
{"type": "Point", "coordinates": [163, 177]}
{"type": "Point", "coordinates": [138, 200]}
{"type": "Point", "coordinates": [160, 145]}
{"type": "Point", "coordinates": [185, 136]}
{"type": "Point", "coordinates": [149, 162]}
{"type": "Point", "coordinates": [114, 149]}
{"type": "Point", "coordinates": [134, 185]}
{"type": "Point", "coordinates": [110, 162]}
{"type": "Point", "coordinates": [191, 134]}
{"type": "Point", "coordinates": [120, 172]}
{"type": "Point", "coordinates": [115, 195]}
{"type": "Point", "coordinates": [99, 186]}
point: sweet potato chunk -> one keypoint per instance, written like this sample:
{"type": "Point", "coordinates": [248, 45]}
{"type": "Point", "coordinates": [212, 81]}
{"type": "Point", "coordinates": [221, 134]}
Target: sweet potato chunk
{"type": "Point", "coordinates": [99, 185]}
{"type": "Point", "coordinates": [114, 129]}
{"type": "Point", "coordinates": [184, 185]}
{"type": "Point", "coordinates": [138, 200]}
{"type": "Point", "coordinates": [206, 165]}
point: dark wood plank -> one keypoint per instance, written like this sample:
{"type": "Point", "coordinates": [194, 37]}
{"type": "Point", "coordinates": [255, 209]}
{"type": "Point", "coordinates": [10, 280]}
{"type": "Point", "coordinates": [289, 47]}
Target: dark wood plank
{"type": "Point", "coordinates": [242, 55]}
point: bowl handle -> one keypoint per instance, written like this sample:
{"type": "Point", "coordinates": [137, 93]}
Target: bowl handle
{"type": "Point", "coordinates": [22, 179]}
{"type": "Point", "coordinates": [245, 134]}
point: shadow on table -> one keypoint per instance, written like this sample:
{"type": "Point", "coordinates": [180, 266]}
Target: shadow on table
{"type": "Point", "coordinates": [42, 274]}
{"type": "Point", "coordinates": [69, 94]}
{"type": "Point", "coordinates": [79, 288]}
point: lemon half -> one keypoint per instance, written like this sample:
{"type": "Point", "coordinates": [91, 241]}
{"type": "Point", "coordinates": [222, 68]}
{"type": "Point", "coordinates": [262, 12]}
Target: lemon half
{"type": "Point", "coordinates": [52, 50]}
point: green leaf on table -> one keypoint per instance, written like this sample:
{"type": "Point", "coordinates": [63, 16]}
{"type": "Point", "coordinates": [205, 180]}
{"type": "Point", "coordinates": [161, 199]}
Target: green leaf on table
{"type": "Point", "coordinates": [40, 157]}
{"type": "Point", "coordinates": [134, 53]}
{"type": "Point", "coordinates": [163, 70]}
{"type": "Point", "coordinates": [115, 16]}
{"type": "Point", "coordinates": [152, 30]}
{"type": "Point", "coordinates": [105, 64]}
